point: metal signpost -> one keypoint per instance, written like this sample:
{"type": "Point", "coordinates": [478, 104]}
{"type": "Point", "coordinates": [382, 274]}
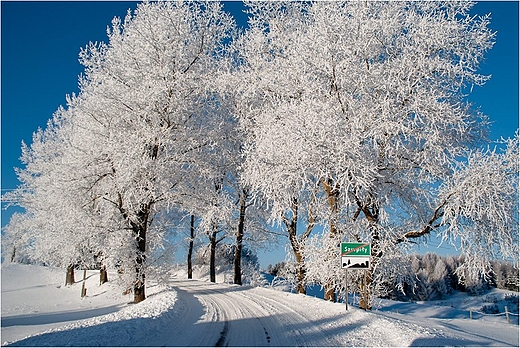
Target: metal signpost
{"type": "Point", "coordinates": [354, 256]}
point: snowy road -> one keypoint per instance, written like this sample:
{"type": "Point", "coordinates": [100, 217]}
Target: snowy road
{"type": "Point", "coordinates": [228, 315]}
{"type": "Point", "coordinates": [223, 315]}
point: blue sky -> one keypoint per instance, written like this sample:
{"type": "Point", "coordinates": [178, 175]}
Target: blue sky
{"type": "Point", "coordinates": [40, 42]}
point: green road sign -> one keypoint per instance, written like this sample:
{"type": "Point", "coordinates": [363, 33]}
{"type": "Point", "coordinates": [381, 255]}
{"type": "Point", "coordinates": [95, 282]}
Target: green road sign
{"type": "Point", "coordinates": [355, 249]}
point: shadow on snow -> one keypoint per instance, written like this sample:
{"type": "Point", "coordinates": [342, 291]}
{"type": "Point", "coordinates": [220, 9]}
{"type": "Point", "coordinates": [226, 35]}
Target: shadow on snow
{"type": "Point", "coordinates": [181, 326]}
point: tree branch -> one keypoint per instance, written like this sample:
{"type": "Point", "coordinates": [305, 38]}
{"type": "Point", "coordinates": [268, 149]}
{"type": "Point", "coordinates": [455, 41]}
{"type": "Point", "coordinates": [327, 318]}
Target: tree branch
{"type": "Point", "coordinates": [437, 214]}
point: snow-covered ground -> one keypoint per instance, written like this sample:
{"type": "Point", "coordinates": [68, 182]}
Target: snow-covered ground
{"type": "Point", "coordinates": [37, 310]}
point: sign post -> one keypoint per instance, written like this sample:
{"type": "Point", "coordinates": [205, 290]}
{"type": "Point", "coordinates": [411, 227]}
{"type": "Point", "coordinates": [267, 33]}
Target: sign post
{"type": "Point", "coordinates": [354, 256]}
{"type": "Point", "coordinates": [346, 289]}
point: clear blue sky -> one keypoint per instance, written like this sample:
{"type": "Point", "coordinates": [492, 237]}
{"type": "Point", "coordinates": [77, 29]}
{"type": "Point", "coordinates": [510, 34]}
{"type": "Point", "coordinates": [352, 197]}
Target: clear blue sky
{"type": "Point", "coordinates": [40, 42]}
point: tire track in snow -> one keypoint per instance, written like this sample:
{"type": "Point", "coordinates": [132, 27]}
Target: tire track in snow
{"type": "Point", "coordinates": [247, 312]}
{"type": "Point", "coordinates": [274, 318]}
{"type": "Point", "coordinates": [223, 335]}
{"type": "Point", "coordinates": [302, 329]}
{"type": "Point", "coordinates": [182, 323]}
{"type": "Point", "coordinates": [227, 304]}
{"type": "Point", "coordinates": [254, 316]}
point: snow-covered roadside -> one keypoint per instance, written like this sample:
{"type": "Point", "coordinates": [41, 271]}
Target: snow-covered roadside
{"type": "Point", "coordinates": [452, 316]}
{"type": "Point", "coordinates": [392, 325]}
{"type": "Point", "coordinates": [457, 331]}
{"type": "Point", "coordinates": [34, 303]}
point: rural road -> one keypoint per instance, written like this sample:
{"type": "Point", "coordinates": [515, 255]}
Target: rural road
{"type": "Point", "coordinates": [220, 315]}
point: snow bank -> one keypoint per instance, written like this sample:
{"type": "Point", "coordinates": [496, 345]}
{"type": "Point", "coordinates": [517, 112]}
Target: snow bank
{"type": "Point", "coordinates": [34, 301]}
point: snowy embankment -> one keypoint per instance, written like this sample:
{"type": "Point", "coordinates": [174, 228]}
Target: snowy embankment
{"type": "Point", "coordinates": [37, 310]}
{"type": "Point", "coordinates": [35, 300]}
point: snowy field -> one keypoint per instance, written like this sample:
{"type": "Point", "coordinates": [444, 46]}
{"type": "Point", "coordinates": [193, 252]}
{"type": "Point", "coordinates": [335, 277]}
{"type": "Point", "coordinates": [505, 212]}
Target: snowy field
{"type": "Point", "coordinates": [37, 310]}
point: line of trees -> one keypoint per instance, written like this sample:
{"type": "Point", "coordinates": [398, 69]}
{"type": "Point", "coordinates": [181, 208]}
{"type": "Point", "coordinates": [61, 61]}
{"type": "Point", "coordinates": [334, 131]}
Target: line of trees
{"type": "Point", "coordinates": [424, 277]}
{"type": "Point", "coordinates": [434, 277]}
{"type": "Point", "coordinates": [337, 121]}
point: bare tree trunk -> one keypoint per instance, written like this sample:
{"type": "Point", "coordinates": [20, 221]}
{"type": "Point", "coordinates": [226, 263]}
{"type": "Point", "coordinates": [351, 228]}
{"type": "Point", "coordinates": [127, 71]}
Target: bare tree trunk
{"type": "Point", "coordinates": [365, 300]}
{"type": "Point", "coordinates": [298, 244]}
{"type": "Point", "coordinates": [213, 250]}
{"type": "Point", "coordinates": [190, 249]}
{"type": "Point", "coordinates": [371, 212]}
{"type": "Point", "coordinates": [139, 289]}
{"type": "Point", "coordinates": [213, 238]}
{"type": "Point", "coordinates": [139, 226]}
{"type": "Point", "coordinates": [301, 272]}
{"type": "Point", "coordinates": [13, 254]}
{"type": "Point", "coordinates": [69, 279]}
{"type": "Point", "coordinates": [103, 275]}
{"type": "Point", "coordinates": [139, 286]}
{"type": "Point", "coordinates": [140, 230]}
{"type": "Point", "coordinates": [240, 235]}
{"type": "Point", "coordinates": [333, 200]}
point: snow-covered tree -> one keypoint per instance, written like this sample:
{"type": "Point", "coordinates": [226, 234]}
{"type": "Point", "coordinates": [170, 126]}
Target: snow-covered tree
{"type": "Point", "coordinates": [143, 116]}
{"type": "Point", "coordinates": [437, 281]}
{"type": "Point", "coordinates": [225, 262]}
{"type": "Point", "coordinates": [58, 224]}
{"type": "Point", "coordinates": [367, 99]}
{"type": "Point", "coordinates": [148, 89]}
{"type": "Point", "coordinates": [482, 196]}
{"type": "Point", "coordinates": [289, 197]}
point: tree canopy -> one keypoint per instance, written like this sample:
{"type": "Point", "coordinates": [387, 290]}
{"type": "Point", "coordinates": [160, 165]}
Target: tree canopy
{"type": "Point", "coordinates": [348, 115]}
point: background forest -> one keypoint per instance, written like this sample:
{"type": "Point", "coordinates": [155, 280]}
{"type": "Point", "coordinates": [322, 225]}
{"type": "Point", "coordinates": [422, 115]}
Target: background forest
{"type": "Point", "coordinates": [433, 277]}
